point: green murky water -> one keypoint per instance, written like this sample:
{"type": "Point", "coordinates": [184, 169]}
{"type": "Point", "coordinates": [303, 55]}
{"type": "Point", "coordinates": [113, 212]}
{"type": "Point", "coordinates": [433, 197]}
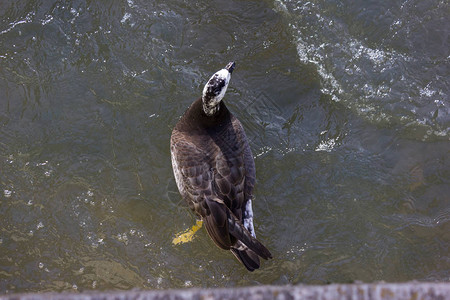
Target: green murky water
{"type": "Point", "coordinates": [346, 105]}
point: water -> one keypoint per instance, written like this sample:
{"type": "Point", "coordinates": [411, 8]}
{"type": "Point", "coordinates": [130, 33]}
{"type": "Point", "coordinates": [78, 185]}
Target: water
{"type": "Point", "coordinates": [346, 105]}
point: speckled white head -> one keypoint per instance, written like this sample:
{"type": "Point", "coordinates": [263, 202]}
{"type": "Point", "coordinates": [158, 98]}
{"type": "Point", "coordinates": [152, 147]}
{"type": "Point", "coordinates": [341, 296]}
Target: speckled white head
{"type": "Point", "coordinates": [215, 89]}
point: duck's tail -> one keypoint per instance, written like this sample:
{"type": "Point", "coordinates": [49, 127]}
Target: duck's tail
{"type": "Point", "coordinates": [247, 248]}
{"type": "Point", "coordinates": [246, 256]}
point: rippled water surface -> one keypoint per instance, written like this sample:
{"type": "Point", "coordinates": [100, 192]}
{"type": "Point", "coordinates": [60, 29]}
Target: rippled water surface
{"type": "Point", "coordinates": [346, 105]}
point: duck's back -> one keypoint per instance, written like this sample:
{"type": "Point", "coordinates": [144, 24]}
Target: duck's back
{"type": "Point", "coordinates": [212, 158]}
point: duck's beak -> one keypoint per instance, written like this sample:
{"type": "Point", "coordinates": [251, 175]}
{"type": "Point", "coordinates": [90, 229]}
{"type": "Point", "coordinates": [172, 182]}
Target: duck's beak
{"type": "Point", "coordinates": [230, 66]}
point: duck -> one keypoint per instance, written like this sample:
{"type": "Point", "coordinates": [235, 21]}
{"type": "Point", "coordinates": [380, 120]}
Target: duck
{"type": "Point", "coordinates": [215, 172]}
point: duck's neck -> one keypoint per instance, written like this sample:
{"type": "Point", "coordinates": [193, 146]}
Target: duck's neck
{"type": "Point", "coordinates": [210, 106]}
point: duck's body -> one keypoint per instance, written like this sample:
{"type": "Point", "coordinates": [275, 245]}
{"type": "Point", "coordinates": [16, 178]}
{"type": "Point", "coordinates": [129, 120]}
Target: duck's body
{"type": "Point", "coordinates": [215, 171]}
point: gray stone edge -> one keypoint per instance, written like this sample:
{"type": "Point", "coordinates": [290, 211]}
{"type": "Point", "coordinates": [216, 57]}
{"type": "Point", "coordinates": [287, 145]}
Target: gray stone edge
{"type": "Point", "coordinates": [374, 291]}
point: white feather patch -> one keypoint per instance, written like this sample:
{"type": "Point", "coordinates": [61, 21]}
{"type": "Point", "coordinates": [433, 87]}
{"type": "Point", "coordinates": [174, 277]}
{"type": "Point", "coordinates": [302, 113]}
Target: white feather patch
{"type": "Point", "coordinates": [177, 172]}
{"type": "Point", "coordinates": [211, 105]}
{"type": "Point", "coordinates": [248, 218]}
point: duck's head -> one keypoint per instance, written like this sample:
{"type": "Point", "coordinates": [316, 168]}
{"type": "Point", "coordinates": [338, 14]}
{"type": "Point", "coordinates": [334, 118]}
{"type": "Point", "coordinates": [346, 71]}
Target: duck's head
{"type": "Point", "coordinates": [215, 89]}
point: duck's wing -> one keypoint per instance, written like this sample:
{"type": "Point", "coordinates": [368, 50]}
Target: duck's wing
{"type": "Point", "coordinates": [233, 181]}
{"type": "Point", "coordinates": [195, 180]}
{"type": "Point", "coordinates": [250, 170]}
{"type": "Point", "coordinates": [192, 171]}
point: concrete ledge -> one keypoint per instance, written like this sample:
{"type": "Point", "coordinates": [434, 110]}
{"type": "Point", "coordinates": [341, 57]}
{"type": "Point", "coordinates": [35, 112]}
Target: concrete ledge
{"type": "Point", "coordinates": [410, 290]}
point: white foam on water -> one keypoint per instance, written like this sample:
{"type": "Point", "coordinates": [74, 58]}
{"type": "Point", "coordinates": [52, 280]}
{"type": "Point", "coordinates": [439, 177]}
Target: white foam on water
{"type": "Point", "coordinates": [7, 193]}
{"type": "Point", "coordinates": [379, 83]}
{"type": "Point", "coordinates": [131, 4]}
{"type": "Point", "coordinates": [125, 17]}
{"type": "Point", "coordinates": [28, 19]}
{"type": "Point", "coordinates": [326, 146]}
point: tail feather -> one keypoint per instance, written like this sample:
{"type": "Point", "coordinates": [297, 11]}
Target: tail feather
{"type": "Point", "coordinates": [228, 232]}
{"type": "Point", "coordinates": [238, 230]}
{"type": "Point", "coordinates": [247, 257]}
{"type": "Point", "coordinates": [219, 234]}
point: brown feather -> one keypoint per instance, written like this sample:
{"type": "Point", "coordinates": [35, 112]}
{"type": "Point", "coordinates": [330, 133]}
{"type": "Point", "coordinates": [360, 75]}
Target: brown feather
{"type": "Point", "coordinates": [215, 173]}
